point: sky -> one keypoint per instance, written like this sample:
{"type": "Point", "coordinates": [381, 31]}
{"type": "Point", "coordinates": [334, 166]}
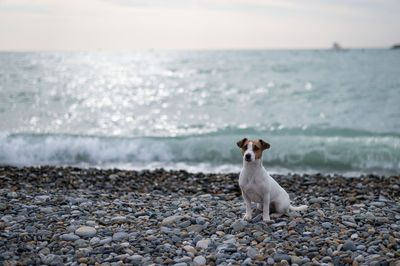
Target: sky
{"type": "Point", "coordinates": [43, 25]}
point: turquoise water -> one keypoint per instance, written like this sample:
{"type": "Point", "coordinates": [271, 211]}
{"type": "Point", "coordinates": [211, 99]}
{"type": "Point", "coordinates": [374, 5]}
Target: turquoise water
{"type": "Point", "coordinates": [321, 110]}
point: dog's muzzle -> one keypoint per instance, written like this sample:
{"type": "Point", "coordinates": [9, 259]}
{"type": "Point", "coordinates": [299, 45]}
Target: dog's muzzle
{"type": "Point", "coordinates": [247, 157]}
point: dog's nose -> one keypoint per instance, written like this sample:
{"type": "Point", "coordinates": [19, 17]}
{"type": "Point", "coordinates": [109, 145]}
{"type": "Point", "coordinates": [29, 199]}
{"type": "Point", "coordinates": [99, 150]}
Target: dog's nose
{"type": "Point", "coordinates": [247, 157]}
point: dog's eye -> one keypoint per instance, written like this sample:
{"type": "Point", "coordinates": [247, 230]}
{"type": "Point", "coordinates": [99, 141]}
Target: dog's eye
{"type": "Point", "coordinates": [245, 147]}
{"type": "Point", "coordinates": [256, 148]}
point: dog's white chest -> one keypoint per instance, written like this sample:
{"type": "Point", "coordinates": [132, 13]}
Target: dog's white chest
{"type": "Point", "coordinates": [254, 194]}
{"type": "Point", "coordinates": [254, 186]}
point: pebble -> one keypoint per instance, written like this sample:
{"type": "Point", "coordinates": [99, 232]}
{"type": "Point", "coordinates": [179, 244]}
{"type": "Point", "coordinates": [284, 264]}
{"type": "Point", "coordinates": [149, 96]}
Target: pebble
{"type": "Point", "coordinates": [276, 225]}
{"type": "Point", "coordinates": [326, 225]}
{"type": "Point", "coordinates": [118, 236]}
{"type": "Point", "coordinates": [251, 252]}
{"type": "Point", "coordinates": [204, 243]}
{"type": "Point", "coordinates": [295, 260]}
{"type": "Point", "coordinates": [171, 219]}
{"type": "Point", "coordinates": [174, 217]}
{"type": "Point", "coordinates": [118, 219]}
{"type": "Point", "coordinates": [86, 231]}
{"type": "Point", "coordinates": [349, 245]}
{"type": "Point", "coordinates": [199, 260]}
{"type": "Point", "coordinates": [94, 240]}
{"type": "Point", "coordinates": [134, 259]}
{"type": "Point", "coordinates": [195, 228]}
{"type": "Point", "coordinates": [69, 237]}
{"type": "Point", "coordinates": [280, 257]}
{"type": "Point", "coordinates": [51, 259]}
{"type": "Point", "coordinates": [239, 225]}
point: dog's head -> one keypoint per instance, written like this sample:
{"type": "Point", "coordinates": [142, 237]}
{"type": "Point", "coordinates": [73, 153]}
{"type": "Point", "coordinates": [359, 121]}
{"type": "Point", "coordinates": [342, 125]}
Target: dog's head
{"type": "Point", "coordinates": [252, 149]}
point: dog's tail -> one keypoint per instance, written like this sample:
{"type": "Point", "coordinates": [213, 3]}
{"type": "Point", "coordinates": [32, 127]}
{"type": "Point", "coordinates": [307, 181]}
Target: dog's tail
{"type": "Point", "coordinates": [299, 208]}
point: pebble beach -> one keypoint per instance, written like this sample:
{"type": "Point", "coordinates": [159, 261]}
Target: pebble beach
{"type": "Point", "coordinates": [72, 216]}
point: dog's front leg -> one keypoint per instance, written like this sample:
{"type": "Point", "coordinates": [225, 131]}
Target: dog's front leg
{"type": "Point", "coordinates": [266, 202]}
{"type": "Point", "coordinates": [248, 214]}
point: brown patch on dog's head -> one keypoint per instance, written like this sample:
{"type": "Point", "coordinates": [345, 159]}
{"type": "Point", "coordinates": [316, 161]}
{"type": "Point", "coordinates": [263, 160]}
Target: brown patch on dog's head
{"type": "Point", "coordinates": [264, 145]}
{"type": "Point", "coordinates": [242, 142]}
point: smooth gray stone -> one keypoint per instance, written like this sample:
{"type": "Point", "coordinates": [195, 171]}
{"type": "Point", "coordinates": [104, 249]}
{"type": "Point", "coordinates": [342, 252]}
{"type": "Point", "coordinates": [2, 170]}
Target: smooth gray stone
{"type": "Point", "coordinates": [86, 231]}
{"type": "Point", "coordinates": [69, 237]}
{"type": "Point", "coordinates": [120, 236]}
{"type": "Point", "coordinates": [349, 245]}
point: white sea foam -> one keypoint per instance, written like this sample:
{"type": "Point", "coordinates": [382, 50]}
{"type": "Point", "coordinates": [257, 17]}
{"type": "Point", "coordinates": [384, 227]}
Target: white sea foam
{"type": "Point", "coordinates": [206, 153]}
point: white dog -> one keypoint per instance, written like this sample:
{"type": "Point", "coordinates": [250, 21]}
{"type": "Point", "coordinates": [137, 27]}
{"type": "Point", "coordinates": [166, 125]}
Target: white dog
{"type": "Point", "coordinates": [258, 186]}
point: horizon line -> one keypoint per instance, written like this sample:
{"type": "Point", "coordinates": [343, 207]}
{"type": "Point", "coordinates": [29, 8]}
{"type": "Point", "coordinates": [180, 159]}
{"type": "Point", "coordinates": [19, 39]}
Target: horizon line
{"type": "Point", "coordinates": [192, 49]}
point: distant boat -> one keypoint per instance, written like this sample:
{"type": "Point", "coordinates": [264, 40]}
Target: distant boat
{"type": "Point", "coordinates": [337, 47]}
{"type": "Point", "coordinates": [396, 46]}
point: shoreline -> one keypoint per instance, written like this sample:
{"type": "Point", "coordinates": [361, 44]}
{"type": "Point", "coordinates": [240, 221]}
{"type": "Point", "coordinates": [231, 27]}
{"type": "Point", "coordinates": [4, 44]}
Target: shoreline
{"type": "Point", "coordinates": [67, 215]}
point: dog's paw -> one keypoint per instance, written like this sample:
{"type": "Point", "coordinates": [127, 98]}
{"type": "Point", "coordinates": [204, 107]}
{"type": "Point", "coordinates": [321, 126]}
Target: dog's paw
{"type": "Point", "coordinates": [267, 220]}
{"type": "Point", "coordinates": [247, 217]}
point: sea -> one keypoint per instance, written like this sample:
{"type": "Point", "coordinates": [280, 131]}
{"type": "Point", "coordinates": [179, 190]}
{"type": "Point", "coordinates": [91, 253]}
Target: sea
{"type": "Point", "coordinates": [322, 111]}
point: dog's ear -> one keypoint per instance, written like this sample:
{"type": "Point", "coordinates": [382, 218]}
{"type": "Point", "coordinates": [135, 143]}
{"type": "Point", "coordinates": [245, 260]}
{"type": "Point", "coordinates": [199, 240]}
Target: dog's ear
{"type": "Point", "coordinates": [264, 145]}
{"type": "Point", "coordinates": [240, 143]}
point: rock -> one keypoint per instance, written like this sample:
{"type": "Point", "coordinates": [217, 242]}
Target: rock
{"type": "Point", "coordinates": [347, 260]}
{"type": "Point", "coordinates": [80, 243]}
{"type": "Point", "coordinates": [326, 225]}
{"type": "Point", "coordinates": [51, 259]}
{"type": "Point", "coordinates": [270, 261]}
{"type": "Point", "coordinates": [184, 224]}
{"type": "Point", "coordinates": [94, 240]}
{"type": "Point", "coordinates": [82, 252]}
{"type": "Point", "coordinates": [83, 260]}
{"type": "Point", "coordinates": [378, 204]}
{"type": "Point", "coordinates": [259, 257]}
{"type": "Point", "coordinates": [134, 259]}
{"type": "Point", "coordinates": [199, 260]}
{"type": "Point", "coordinates": [280, 257]}
{"type": "Point", "coordinates": [171, 219]}
{"type": "Point", "coordinates": [247, 262]}
{"type": "Point", "coordinates": [118, 236]}
{"type": "Point", "coordinates": [105, 241]}
{"type": "Point", "coordinates": [326, 259]}
{"type": "Point", "coordinates": [45, 251]}
{"type": "Point", "coordinates": [354, 236]}
{"type": "Point", "coordinates": [381, 220]}
{"type": "Point", "coordinates": [316, 200]}
{"type": "Point", "coordinates": [295, 260]}
{"type": "Point", "coordinates": [349, 245]}
{"type": "Point", "coordinates": [118, 219]}
{"type": "Point", "coordinates": [360, 258]}
{"type": "Point", "coordinates": [85, 231]}
{"type": "Point", "coordinates": [69, 237]}
{"type": "Point", "coordinates": [350, 224]}
{"type": "Point", "coordinates": [190, 249]}
{"type": "Point", "coordinates": [42, 198]}
{"type": "Point", "coordinates": [203, 243]}
{"type": "Point", "coordinates": [12, 195]}
{"type": "Point", "coordinates": [281, 224]}
{"type": "Point", "coordinates": [239, 226]}
{"type": "Point", "coordinates": [251, 252]}
{"type": "Point", "coordinates": [195, 228]}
